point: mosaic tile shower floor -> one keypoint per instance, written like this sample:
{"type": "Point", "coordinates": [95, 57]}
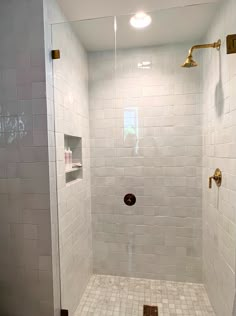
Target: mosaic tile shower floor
{"type": "Point", "coordinates": [121, 296]}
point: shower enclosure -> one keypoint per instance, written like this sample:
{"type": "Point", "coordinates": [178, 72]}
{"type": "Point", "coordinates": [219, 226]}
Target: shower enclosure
{"type": "Point", "coordinates": [133, 120]}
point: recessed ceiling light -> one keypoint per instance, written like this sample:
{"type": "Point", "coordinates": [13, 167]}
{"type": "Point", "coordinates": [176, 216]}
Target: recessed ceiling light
{"type": "Point", "coordinates": [140, 20]}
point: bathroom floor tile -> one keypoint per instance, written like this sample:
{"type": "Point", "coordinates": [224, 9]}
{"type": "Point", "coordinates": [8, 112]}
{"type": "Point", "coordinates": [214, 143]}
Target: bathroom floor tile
{"type": "Point", "coordinates": [121, 296]}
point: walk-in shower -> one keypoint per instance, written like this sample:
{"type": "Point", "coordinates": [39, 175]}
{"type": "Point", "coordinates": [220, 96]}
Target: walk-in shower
{"type": "Point", "coordinates": [117, 166]}
{"type": "Point", "coordinates": [137, 221]}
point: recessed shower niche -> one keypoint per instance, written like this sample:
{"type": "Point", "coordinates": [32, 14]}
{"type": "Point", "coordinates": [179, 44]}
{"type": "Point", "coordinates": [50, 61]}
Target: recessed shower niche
{"type": "Point", "coordinates": [73, 158]}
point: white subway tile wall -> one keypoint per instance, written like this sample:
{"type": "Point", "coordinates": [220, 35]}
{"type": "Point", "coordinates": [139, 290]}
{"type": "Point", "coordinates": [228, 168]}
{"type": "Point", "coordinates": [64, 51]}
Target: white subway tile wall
{"type": "Point", "coordinates": [74, 198]}
{"type": "Point", "coordinates": [146, 139]}
{"type": "Point", "coordinates": [52, 14]}
{"type": "Point", "coordinates": [26, 286]}
{"type": "Point", "coordinates": [219, 151]}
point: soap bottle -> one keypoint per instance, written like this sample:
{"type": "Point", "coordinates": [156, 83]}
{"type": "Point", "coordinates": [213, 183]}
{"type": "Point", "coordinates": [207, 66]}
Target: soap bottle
{"type": "Point", "coordinates": [70, 157]}
{"type": "Point", "coordinates": [66, 158]}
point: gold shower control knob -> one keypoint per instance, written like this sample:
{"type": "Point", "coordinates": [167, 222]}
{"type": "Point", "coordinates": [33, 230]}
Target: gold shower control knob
{"type": "Point", "coordinates": [217, 177]}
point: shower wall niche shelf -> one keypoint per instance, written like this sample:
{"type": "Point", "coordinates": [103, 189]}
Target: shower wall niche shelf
{"type": "Point", "coordinates": [74, 171]}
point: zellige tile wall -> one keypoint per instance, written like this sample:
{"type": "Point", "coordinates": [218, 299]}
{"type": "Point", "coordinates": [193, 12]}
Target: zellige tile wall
{"type": "Point", "coordinates": [52, 14]}
{"type": "Point", "coordinates": [74, 198]}
{"type": "Point", "coordinates": [26, 287]}
{"type": "Point", "coordinates": [161, 236]}
{"type": "Point", "coordinates": [219, 151]}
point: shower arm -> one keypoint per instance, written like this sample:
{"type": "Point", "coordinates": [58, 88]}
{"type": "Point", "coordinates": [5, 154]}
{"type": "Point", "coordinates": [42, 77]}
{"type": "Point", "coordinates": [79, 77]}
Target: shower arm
{"type": "Point", "coordinates": [213, 45]}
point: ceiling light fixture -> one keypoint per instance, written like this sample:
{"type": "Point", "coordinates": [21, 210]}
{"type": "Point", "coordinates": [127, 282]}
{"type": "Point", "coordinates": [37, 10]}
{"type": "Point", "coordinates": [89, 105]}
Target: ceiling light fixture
{"type": "Point", "coordinates": [140, 20]}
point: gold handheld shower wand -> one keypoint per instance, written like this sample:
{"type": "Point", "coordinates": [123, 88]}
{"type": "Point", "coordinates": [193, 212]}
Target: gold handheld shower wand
{"type": "Point", "coordinates": [189, 62]}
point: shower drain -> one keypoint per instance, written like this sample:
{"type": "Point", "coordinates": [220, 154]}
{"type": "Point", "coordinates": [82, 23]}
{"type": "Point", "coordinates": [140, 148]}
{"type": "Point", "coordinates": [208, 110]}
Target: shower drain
{"type": "Point", "coordinates": [150, 310]}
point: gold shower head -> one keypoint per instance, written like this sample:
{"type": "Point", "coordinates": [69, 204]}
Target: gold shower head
{"type": "Point", "coordinates": [189, 62]}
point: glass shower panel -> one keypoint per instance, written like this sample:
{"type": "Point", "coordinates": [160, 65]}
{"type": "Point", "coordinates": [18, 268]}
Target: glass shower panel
{"type": "Point", "coordinates": [135, 152]}
{"type": "Point", "coordinates": [130, 116]}
{"type": "Point", "coordinates": [102, 139]}
{"type": "Point", "coordinates": [156, 129]}
{"type": "Point", "coordinates": [84, 93]}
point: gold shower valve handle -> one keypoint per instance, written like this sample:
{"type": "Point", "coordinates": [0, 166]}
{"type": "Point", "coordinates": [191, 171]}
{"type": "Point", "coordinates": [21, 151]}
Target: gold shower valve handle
{"type": "Point", "coordinates": [217, 177]}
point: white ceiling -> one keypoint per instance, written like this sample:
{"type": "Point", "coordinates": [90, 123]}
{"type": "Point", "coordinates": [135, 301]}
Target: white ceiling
{"type": "Point", "coordinates": [87, 9]}
{"type": "Point", "coordinates": [177, 25]}
{"type": "Point", "coordinates": [174, 21]}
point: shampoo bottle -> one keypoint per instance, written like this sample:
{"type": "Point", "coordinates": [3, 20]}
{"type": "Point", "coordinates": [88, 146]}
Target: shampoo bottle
{"type": "Point", "coordinates": [70, 158]}
{"type": "Point", "coordinates": [67, 158]}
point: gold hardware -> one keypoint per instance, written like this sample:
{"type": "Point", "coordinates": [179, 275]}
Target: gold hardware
{"type": "Point", "coordinates": [231, 44]}
{"type": "Point", "coordinates": [56, 54]}
{"type": "Point", "coordinates": [217, 177]}
{"type": "Point", "coordinates": [189, 62]}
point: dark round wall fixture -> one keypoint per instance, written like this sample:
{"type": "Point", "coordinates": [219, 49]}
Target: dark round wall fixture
{"type": "Point", "coordinates": [130, 199]}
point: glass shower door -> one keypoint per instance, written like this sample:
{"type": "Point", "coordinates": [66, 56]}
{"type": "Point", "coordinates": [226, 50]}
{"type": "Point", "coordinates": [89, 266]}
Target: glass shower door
{"type": "Point", "coordinates": [84, 92]}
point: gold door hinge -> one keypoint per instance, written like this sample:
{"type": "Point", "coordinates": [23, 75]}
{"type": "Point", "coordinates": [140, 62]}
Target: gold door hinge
{"type": "Point", "coordinates": [56, 54]}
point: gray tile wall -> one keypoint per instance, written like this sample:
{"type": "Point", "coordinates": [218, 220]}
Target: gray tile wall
{"type": "Point", "coordinates": [26, 287]}
{"type": "Point", "coordinates": [160, 237]}
{"type": "Point", "coordinates": [219, 151]}
{"type": "Point", "coordinates": [74, 199]}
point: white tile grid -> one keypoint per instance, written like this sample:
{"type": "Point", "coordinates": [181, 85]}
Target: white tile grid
{"type": "Point", "coordinates": [25, 228]}
{"type": "Point", "coordinates": [74, 207]}
{"type": "Point", "coordinates": [219, 143]}
{"type": "Point", "coordinates": [161, 166]}
{"type": "Point", "coordinates": [121, 296]}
